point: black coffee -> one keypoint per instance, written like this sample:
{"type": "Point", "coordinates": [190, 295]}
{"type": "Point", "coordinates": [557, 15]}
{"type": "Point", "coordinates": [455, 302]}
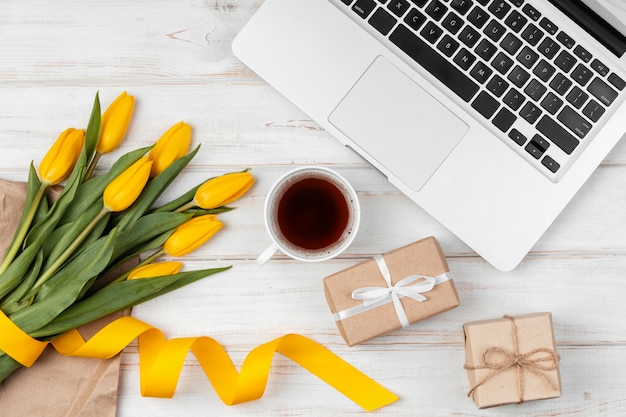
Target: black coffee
{"type": "Point", "coordinates": [313, 213]}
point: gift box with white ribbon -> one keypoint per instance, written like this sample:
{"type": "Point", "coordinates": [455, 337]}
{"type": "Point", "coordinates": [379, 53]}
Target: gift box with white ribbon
{"type": "Point", "coordinates": [391, 291]}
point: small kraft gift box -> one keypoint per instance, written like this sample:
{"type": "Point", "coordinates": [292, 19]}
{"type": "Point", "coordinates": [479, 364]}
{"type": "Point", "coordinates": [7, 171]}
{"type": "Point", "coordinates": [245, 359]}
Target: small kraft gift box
{"type": "Point", "coordinates": [511, 360]}
{"type": "Point", "coordinates": [390, 291]}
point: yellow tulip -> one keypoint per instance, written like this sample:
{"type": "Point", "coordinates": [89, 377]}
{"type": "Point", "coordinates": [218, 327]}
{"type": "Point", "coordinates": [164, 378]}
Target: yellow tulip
{"type": "Point", "coordinates": [115, 122]}
{"type": "Point", "coordinates": [126, 187]}
{"type": "Point", "coordinates": [190, 235]}
{"type": "Point", "coordinates": [60, 159]}
{"type": "Point", "coordinates": [222, 190]}
{"type": "Point", "coordinates": [159, 269]}
{"type": "Point", "coordinates": [172, 145]}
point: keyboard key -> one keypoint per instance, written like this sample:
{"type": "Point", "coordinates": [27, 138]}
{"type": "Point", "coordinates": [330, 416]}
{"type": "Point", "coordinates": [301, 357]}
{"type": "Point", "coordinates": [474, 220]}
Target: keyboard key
{"type": "Point", "coordinates": [582, 74]}
{"type": "Point", "coordinates": [485, 104]}
{"type": "Point", "coordinates": [363, 8]}
{"type": "Point", "coordinates": [574, 122]}
{"type": "Point", "coordinates": [415, 19]}
{"type": "Point", "coordinates": [434, 63]}
{"type": "Point", "coordinates": [551, 103]}
{"type": "Point", "coordinates": [582, 53]}
{"type": "Point", "coordinates": [398, 7]}
{"type": "Point", "coordinates": [485, 49]}
{"type": "Point", "coordinates": [464, 59]}
{"type": "Point", "coordinates": [461, 6]}
{"type": "Point", "coordinates": [550, 163]}
{"type": "Point", "coordinates": [511, 43]}
{"type": "Point", "coordinates": [599, 67]}
{"type": "Point", "coordinates": [548, 26]}
{"type": "Point", "coordinates": [565, 61]}
{"type": "Point", "coordinates": [543, 70]}
{"type": "Point", "coordinates": [499, 8]}
{"type": "Point", "coordinates": [513, 99]}
{"type": "Point", "coordinates": [527, 57]}
{"type": "Point", "coordinates": [617, 81]}
{"type": "Point", "coordinates": [593, 110]}
{"type": "Point", "coordinates": [453, 23]}
{"type": "Point", "coordinates": [497, 85]}
{"type": "Point", "coordinates": [532, 34]}
{"type": "Point", "coordinates": [382, 21]}
{"type": "Point", "coordinates": [478, 17]}
{"type": "Point", "coordinates": [533, 150]}
{"type": "Point", "coordinates": [348, 2]}
{"type": "Point", "coordinates": [560, 83]}
{"type": "Point", "coordinates": [577, 97]}
{"type": "Point", "coordinates": [502, 63]}
{"type": "Point", "coordinates": [602, 91]}
{"type": "Point", "coordinates": [494, 31]}
{"type": "Point", "coordinates": [436, 10]}
{"type": "Point", "coordinates": [557, 134]}
{"type": "Point", "coordinates": [530, 112]}
{"type": "Point", "coordinates": [540, 143]}
{"type": "Point", "coordinates": [504, 120]}
{"type": "Point", "coordinates": [517, 137]}
{"type": "Point", "coordinates": [515, 21]}
{"type": "Point", "coordinates": [519, 76]}
{"type": "Point", "coordinates": [481, 72]}
{"type": "Point", "coordinates": [448, 46]}
{"type": "Point", "coordinates": [469, 36]}
{"type": "Point", "coordinates": [565, 40]}
{"type": "Point", "coordinates": [548, 48]}
{"type": "Point", "coordinates": [517, 3]}
{"type": "Point", "coordinates": [419, 3]}
{"type": "Point", "coordinates": [431, 32]}
{"type": "Point", "coordinates": [531, 12]}
{"type": "Point", "coordinates": [535, 90]}
{"type": "Point", "coordinates": [483, 2]}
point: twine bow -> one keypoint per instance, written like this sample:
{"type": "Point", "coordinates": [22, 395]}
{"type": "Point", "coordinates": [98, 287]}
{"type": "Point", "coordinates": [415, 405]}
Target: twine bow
{"type": "Point", "coordinates": [375, 296]}
{"type": "Point", "coordinates": [532, 361]}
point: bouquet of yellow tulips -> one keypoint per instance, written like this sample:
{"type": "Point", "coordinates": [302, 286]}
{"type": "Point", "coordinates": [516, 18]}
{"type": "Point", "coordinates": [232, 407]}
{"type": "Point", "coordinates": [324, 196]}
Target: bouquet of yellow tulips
{"type": "Point", "coordinates": [56, 273]}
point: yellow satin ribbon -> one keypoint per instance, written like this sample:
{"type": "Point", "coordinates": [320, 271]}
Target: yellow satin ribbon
{"type": "Point", "coordinates": [161, 361]}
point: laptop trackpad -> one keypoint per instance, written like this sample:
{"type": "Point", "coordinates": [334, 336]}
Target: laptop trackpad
{"type": "Point", "coordinates": [398, 123]}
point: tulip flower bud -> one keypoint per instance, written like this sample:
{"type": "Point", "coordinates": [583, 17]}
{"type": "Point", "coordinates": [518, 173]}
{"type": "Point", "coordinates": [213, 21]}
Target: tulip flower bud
{"type": "Point", "coordinates": [115, 122]}
{"type": "Point", "coordinates": [159, 269]}
{"type": "Point", "coordinates": [60, 159]}
{"type": "Point", "coordinates": [222, 190]}
{"type": "Point", "coordinates": [190, 235]}
{"type": "Point", "coordinates": [126, 187]}
{"type": "Point", "coordinates": [172, 145]}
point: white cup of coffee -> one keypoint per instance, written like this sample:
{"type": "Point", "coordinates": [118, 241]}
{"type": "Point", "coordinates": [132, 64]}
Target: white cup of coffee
{"type": "Point", "coordinates": [311, 214]}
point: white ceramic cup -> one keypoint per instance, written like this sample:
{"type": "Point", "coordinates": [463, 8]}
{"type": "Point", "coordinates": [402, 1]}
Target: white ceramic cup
{"type": "Point", "coordinates": [281, 192]}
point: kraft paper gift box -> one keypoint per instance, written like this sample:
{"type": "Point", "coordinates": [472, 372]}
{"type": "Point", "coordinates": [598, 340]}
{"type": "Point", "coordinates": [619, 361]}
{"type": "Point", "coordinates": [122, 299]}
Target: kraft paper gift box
{"type": "Point", "coordinates": [511, 360]}
{"type": "Point", "coordinates": [364, 304]}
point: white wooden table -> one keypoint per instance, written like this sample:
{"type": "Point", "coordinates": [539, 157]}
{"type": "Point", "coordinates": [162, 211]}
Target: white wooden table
{"type": "Point", "coordinates": [175, 57]}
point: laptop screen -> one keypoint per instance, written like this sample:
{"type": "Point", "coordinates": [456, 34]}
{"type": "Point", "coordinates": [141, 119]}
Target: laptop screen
{"type": "Point", "coordinates": [605, 20]}
{"type": "Point", "coordinates": [613, 11]}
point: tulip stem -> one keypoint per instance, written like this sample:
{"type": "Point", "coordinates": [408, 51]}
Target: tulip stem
{"type": "Point", "coordinates": [186, 206]}
{"type": "Point", "coordinates": [21, 233]}
{"type": "Point", "coordinates": [145, 262]}
{"type": "Point", "coordinates": [52, 269]}
{"type": "Point", "coordinates": [92, 165]}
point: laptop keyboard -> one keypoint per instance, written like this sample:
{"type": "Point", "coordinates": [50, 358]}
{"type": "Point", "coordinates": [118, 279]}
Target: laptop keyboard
{"type": "Point", "coordinates": [531, 81]}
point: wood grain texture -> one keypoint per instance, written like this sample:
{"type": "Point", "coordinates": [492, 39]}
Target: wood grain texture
{"type": "Point", "coordinates": [174, 56]}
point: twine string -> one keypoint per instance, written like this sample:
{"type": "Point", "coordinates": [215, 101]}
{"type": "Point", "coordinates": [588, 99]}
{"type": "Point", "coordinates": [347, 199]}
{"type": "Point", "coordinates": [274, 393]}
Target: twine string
{"type": "Point", "coordinates": [537, 361]}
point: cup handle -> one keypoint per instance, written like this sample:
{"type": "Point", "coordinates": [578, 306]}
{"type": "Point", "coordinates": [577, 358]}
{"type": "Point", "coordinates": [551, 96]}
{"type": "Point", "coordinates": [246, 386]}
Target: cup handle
{"type": "Point", "coordinates": [267, 254]}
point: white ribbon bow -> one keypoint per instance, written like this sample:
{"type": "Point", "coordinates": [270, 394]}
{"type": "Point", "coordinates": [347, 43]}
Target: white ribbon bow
{"type": "Point", "coordinates": [374, 296]}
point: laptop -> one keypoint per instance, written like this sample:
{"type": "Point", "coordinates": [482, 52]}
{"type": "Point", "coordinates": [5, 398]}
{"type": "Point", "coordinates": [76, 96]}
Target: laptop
{"type": "Point", "coordinates": [490, 115]}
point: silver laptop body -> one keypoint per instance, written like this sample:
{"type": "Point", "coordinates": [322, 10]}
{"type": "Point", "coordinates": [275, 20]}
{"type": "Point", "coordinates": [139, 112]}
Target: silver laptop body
{"type": "Point", "coordinates": [490, 115]}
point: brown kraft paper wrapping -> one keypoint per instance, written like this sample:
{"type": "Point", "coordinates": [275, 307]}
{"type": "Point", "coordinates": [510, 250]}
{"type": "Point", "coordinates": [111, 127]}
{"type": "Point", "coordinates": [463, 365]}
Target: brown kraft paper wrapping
{"type": "Point", "coordinates": [511, 360]}
{"type": "Point", "coordinates": [419, 258]}
{"type": "Point", "coordinates": [56, 385]}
